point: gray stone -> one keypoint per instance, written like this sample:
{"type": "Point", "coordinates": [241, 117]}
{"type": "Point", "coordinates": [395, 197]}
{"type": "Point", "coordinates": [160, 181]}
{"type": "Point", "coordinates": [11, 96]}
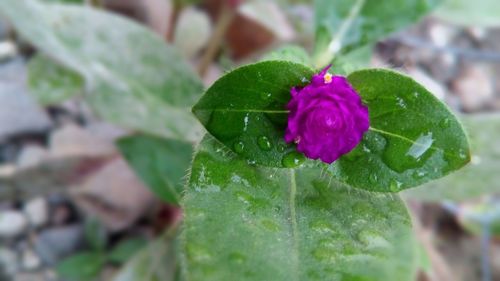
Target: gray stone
{"type": "Point", "coordinates": [54, 244]}
{"type": "Point", "coordinates": [29, 276]}
{"type": "Point", "coordinates": [4, 28]}
{"type": "Point", "coordinates": [30, 261]}
{"type": "Point", "coordinates": [8, 262]}
{"type": "Point", "coordinates": [31, 155]}
{"type": "Point", "coordinates": [12, 224]}
{"type": "Point", "coordinates": [37, 211]}
{"type": "Point", "coordinates": [475, 87]}
{"type": "Point", "coordinates": [18, 111]}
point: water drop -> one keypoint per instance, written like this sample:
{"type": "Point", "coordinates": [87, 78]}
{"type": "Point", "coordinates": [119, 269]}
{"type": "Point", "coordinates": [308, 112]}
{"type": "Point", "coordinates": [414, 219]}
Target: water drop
{"type": "Point", "coordinates": [264, 143]}
{"type": "Point", "coordinates": [265, 96]}
{"type": "Point", "coordinates": [445, 123]}
{"type": "Point", "coordinates": [239, 147]}
{"type": "Point", "coordinates": [373, 178]}
{"type": "Point", "coordinates": [421, 145]}
{"type": "Point", "coordinates": [237, 258]}
{"type": "Point", "coordinates": [394, 186]}
{"type": "Point", "coordinates": [246, 119]}
{"type": "Point", "coordinates": [281, 147]}
{"type": "Point", "coordinates": [462, 154]}
{"type": "Point", "coordinates": [401, 102]}
{"type": "Point", "coordinates": [321, 227]}
{"type": "Point", "coordinates": [293, 159]}
{"type": "Point", "coordinates": [372, 238]}
{"type": "Point", "coordinates": [244, 197]}
{"type": "Point", "coordinates": [270, 225]}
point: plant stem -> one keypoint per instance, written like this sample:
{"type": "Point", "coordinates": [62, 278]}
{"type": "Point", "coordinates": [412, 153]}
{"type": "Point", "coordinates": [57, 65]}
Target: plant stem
{"type": "Point", "coordinates": [225, 18]}
{"type": "Point", "coordinates": [485, 251]}
{"type": "Point", "coordinates": [96, 3]}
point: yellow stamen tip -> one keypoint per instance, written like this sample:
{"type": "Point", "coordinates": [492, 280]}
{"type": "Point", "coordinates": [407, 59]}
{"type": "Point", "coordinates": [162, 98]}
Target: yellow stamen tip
{"type": "Point", "coordinates": [328, 78]}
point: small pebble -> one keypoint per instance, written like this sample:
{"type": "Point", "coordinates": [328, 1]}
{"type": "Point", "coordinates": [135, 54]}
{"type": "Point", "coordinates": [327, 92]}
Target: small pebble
{"type": "Point", "coordinates": [53, 244]}
{"type": "Point", "coordinates": [8, 262]}
{"type": "Point", "coordinates": [12, 224]}
{"type": "Point", "coordinates": [30, 261]}
{"type": "Point", "coordinates": [37, 211]}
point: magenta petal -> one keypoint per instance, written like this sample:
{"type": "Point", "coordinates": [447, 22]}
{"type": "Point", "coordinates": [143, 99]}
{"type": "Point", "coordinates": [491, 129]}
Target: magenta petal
{"type": "Point", "coordinates": [327, 118]}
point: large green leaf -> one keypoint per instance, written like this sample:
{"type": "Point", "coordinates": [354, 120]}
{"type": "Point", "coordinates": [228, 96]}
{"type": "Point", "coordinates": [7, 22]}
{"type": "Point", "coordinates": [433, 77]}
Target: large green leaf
{"type": "Point", "coordinates": [344, 25]}
{"type": "Point", "coordinates": [243, 222]}
{"type": "Point", "coordinates": [413, 137]}
{"type": "Point", "coordinates": [126, 249]}
{"type": "Point", "coordinates": [84, 266]}
{"type": "Point", "coordinates": [132, 77]}
{"type": "Point", "coordinates": [471, 13]}
{"type": "Point", "coordinates": [292, 53]}
{"type": "Point", "coordinates": [161, 163]}
{"type": "Point", "coordinates": [245, 109]}
{"type": "Point", "coordinates": [51, 83]}
{"type": "Point", "coordinates": [156, 262]}
{"type": "Point", "coordinates": [476, 180]}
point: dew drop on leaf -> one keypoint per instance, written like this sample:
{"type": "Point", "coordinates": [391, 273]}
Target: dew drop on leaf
{"type": "Point", "coordinates": [445, 123]}
{"type": "Point", "coordinates": [265, 96]}
{"type": "Point", "coordinates": [394, 186]}
{"type": "Point", "coordinates": [239, 147]}
{"type": "Point", "coordinates": [281, 147]}
{"type": "Point", "coordinates": [264, 143]}
{"type": "Point", "coordinates": [421, 145]}
{"type": "Point", "coordinates": [293, 159]}
{"type": "Point", "coordinates": [237, 258]}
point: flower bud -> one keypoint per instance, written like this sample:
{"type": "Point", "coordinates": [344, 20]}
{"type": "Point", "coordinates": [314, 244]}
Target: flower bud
{"type": "Point", "coordinates": [327, 118]}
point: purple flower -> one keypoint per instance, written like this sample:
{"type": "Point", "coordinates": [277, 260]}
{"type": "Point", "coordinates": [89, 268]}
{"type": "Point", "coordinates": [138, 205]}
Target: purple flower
{"type": "Point", "coordinates": [327, 118]}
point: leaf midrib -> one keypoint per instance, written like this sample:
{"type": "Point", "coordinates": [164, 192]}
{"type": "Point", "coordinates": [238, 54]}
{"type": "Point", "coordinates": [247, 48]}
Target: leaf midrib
{"type": "Point", "coordinates": [293, 224]}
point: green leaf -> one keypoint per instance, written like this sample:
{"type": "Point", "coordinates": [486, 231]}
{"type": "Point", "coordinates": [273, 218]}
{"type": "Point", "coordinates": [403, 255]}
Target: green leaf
{"type": "Point", "coordinates": [161, 163]}
{"type": "Point", "coordinates": [470, 13]}
{"type": "Point", "coordinates": [344, 25]}
{"type": "Point", "coordinates": [353, 61]}
{"type": "Point", "coordinates": [290, 53]}
{"type": "Point", "coordinates": [133, 78]}
{"type": "Point", "coordinates": [156, 262]}
{"type": "Point", "coordinates": [245, 109]}
{"type": "Point", "coordinates": [476, 180]}
{"type": "Point", "coordinates": [95, 234]}
{"type": "Point", "coordinates": [252, 223]}
{"type": "Point", "coordinates": [126, 249]}
{"type": "Point", "coordinates": [413, 137]}
{"type": "Point", "coordinates": [51, 83]}
{"type": "Point", "coordinates": [81, 267]}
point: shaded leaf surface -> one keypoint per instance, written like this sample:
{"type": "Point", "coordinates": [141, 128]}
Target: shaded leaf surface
{"type": "Point", "coordinates": [413, 137]}
{"type": "Point", "coordinates": [292, 53]}
{"type": "Point", "coordinates": [155, 262]}
{"type": "Point", "coordinates": [50, 83]}
{"type": "Point", "coordinates": [132, 77]}
{"type": "Point", "coordinates": [344, 25]}
{"type": "Point", "coordinates": [249, 223]}
{"type": "Point", "coordinates": [470, 13]}
{"type": "Point", "coordinates": [160, 163]}
{"type": "Point", "coordinates": [248, 105]}
{"type": "Point", "coordinates": [122, 252]}
{"type": "Point", "coordinates": [81, 267]}
{"type": "Point", "coordinates": [479, 178]}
